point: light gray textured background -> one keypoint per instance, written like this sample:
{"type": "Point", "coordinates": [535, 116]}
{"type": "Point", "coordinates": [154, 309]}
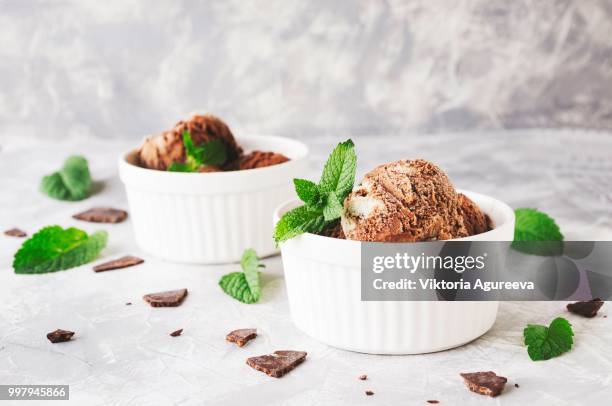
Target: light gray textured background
{"type": "Point", "coordinates": [126, 68]}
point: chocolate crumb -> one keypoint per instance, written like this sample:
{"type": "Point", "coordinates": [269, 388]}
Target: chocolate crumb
{"type": "Point", "coordinates": [15, 232]}
{"type": "Point", "coordinates": [605, 316]}
{"type": "Point", "coordinates": [118, 263]}
{"type": "Point", "coordinates": [362, 377]}
{"type": "Point", "coordinates": [484, 383]}
{"type": "Point", "coordinates": [586, 309]}
{"type": "Point", "coordinates": [369, 393]}
{"type": "Point", "coordinates": [433, 402]}
{"type": "Point", "coordinates": [170, 298]}
{"type": "Point", "coordinates": [516, 385]}
{"type": "Point", "coordinates": [102, 215]}
{"type": "Point", "coordinates": [128, 304]}
{"type": "Point", "coordinates": [277, 364]}
{"type": "Point", "coordinates": [241, 336]}
{"type": "Point", "coordinates": [60, 336]}
{"type": "Point", "coordinates": [177, 333]}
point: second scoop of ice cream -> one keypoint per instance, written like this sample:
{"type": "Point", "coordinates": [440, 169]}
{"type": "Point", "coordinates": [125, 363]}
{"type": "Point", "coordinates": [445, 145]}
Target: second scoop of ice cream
{"type": "Point", "coordinates": [406, 200]}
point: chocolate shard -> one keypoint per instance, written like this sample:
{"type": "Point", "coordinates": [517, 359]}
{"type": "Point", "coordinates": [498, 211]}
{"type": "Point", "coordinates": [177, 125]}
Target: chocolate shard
{"type": "Point", "coordinates": [102, 215]}
{"type": "Point", "coordinates": [587, 309]}
{"type": "Point", "coordinates": [170, 298]}
{"type": "Point", "coordinates": [118, 263]}
{"type": "Point", "coordinates": [362, 377]}
{"type": "Point", "coordinates": [177, 333]}
{"type": "Point", "coordinates": [433, 402]}
{"type": "Point", "coordinates": [15, 232]}
{"type": "Point", "coordinates": [60, 336]}
{"type": "Point", "coordinates": [369, 393]}
{"type": "Point", "coordinates": [241, 336]}
{"type": "Point", "coordinates": [277, 364]}
{"type": "Point", "coordinates": [485, 383]}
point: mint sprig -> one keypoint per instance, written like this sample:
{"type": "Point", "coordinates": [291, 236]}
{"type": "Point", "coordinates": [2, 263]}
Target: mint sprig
{"type": "Point", "coordinates": [244, 286]}
{"type": "Point", "coordinates": [536, 233]}
{"type": "Point", "coordinates": [72, 182]}
{"type": "Point", "coordinates": [206, 154]}
{"type": "Point", "coordinates": [548, 342]}
{"type": "Point", "coordinates": [54, 249]}
{"type": "Point", "coordinates": [323, 202]}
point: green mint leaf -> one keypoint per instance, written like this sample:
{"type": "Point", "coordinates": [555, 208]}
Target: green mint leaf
{"type": "Point", "coordinates": [236, 285]}
{"type": "Point", "coordinates": [548, 342]}
{"type": "Point", "coordinates": [250, 266]}
{"type": "Point", "coordinates": [339, 171]}
{"type": "Point", "coordinates": [72, 182]}
{"type": "Point", "coordinates": [191, 151]}
{"type": "Point", "coordinates": [308, 192]}
{"type": "Point", "coordinates": [536, 233]}
{"type": "Point", "coordinates": [298, 221]}
{"type": "Point", "coordinates": [213, 153]}
{"type": "Point", "coordinates": [53, 249]}
{"type": "Point", "coordinates": [244, 286]}
{"type": "Point", "coordinates": [333, 208]}
{"type": "Point", "coordinates": [180, 167]}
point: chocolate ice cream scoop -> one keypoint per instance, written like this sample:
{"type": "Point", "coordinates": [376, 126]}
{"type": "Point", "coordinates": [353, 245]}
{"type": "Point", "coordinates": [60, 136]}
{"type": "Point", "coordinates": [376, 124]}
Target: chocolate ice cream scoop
{"type": "Point", "coordinates": [260, 159]}
{"type": "Point", "coordinates": [159, 151]}
{"type": "Point", "coordinates": [406, 200]}
{"type": "Point", "coordinates": [476, 222]}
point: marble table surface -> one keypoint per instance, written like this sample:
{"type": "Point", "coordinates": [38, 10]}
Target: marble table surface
{"type": "Point", "coordinates": [123, 354]}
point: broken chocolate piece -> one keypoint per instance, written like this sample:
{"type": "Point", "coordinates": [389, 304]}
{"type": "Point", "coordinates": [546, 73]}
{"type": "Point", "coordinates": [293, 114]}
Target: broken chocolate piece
{"type": "Point", "coordinates": [15, 232]}
{"type": "Point", "coordinates": [170, 298]}
{"type": "Point", "coordinates": [177, 333]}
{"type": "Point", "coordinates": [485, 383]}
{"type": "Point", "coordinates": [362, 377]}
{"type": "Point", "coordinates": [369, 393]}
{"type": "Point", "coordinates": [516, 385]}
{"type": "Point", "coordinates": [433, 402]}
{"type": "Point", "coordinates": [277, 364]}
{"type": "Point", "coordinates": [102, 215]}
{"type": "Point", "coordinates": [118, 263]}
{"type": "Point", "coordinates": [241, 336]}
{"type": "Point", "coordinates": [128, 304]}
{"type": "Point", "coordinates": [60, 336]}
{"type": "Point", "coordinates": [587, 309]}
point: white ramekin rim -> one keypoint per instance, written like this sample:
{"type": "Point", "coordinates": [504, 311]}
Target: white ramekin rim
{"type": "Point", "coordinates": [347, 252]}
{"type": "Point", "coordinates": [219, 182]}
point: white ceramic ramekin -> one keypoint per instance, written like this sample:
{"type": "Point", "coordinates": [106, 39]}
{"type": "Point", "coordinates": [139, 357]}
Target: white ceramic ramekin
{"type": "Point", "coordinates": [323, 278]}
{"type": "Point", "coordinates": [211, 217]}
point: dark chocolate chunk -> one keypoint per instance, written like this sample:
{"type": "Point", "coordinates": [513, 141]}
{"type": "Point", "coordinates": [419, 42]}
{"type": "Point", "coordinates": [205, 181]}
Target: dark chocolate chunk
{"type": "Point", "coordinates": [128, 304]}
{"type": "Point", "coordinates": [170, 298]}
{"type": "Point", "coordinates": [586, 309]}
{"type": "Point", "coordinates": [60, 336]}
{"type": "Point", "coordinates": [118, 263]}
{"type": "Point", "coordinates": [369, 393]}
{"type": "Point", "coordinates": [484, 383]}
{"type": "Point", "coordinates": [278, 363]}
{"type": "Point", "coordinates": [241, 336]}
{"type": "Point", "coordinates": [516, 385]}
{"type": "Point", "coordinates": [15, 232]}
{"type": "Point", "coordinates": [177, 333]}
{"type": "Point", "coordinates": [102, 215]}
{"type": "Point", "coordinates": [362, 377]}
{"type": "Point", "coordinates": [433, 402]}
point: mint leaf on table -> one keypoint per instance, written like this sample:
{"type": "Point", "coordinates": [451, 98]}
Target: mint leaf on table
{"type": "Point", "coordinates": [208, 153]}
{"type": "Point", "coordinates": [536, 233]}
{"type": "Point", "coordinates": [548, 342]}
{"type": "Point", "coordinates": [53, 249]}
{"type": "Point", "coordinates": [244, 286]}
{"type": "Point", "coordinates": [72, 182]}
{"type": "Point", "coordinates": [323, 201]}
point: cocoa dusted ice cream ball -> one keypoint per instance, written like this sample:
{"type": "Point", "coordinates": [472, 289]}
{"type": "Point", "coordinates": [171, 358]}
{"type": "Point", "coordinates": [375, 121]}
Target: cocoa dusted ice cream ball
{"type": "Point", "coordinates": [406, 200]}
{"type": "Point", "coordinates": [260, 159]}
{"type": "Point", "coordinates": [159, 151]}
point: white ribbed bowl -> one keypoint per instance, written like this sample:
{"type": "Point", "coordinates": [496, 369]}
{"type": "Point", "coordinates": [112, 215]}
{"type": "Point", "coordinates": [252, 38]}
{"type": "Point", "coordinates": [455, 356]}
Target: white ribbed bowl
{"type": "Point", "coordinates": [211, 217]}
{"type": "Point", "coordinates": [323, 278]}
